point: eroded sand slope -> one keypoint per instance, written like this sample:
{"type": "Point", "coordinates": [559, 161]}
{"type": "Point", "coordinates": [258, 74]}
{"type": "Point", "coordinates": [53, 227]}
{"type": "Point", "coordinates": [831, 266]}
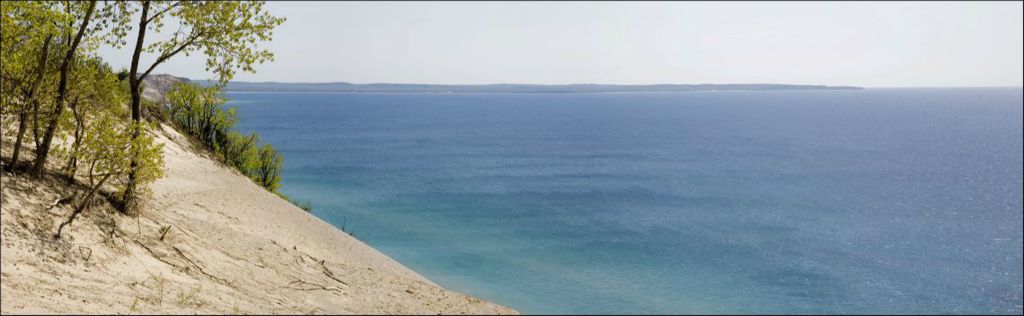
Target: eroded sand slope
{"type": "Point", "coordinates": [232, 247]}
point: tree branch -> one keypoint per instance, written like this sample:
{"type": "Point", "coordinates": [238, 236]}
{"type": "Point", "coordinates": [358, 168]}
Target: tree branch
{"type": "Point", "coordinates": [166, 56]}
{"type": "Point", "coordinates": [168, 8]}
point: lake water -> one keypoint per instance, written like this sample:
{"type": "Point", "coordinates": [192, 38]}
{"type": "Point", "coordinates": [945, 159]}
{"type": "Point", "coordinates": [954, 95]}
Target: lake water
{"type": "Point", "coordinates": [873, 201]}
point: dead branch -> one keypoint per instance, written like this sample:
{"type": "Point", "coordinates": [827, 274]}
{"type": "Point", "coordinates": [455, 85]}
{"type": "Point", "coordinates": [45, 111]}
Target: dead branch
{"type": "Point", "coordinates": [81, 207]}
{"type": "Point", "coordinates": [62, 201]}
{"type": "Point", "coordinates": [163, 231]}
{"type": "Point", "coordinates": [327, 272]}
{"type": "Point", "coordinates": [198, 267]}
{"type": "Point", "coordinates": [314, 285]}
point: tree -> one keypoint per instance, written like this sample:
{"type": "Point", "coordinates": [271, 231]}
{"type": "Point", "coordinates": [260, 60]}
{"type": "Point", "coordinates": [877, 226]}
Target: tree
{"type": "Point", "coordinates": [43, 150]}
{"type": "Point", "coordinates": [30, 95]}
{"type": "Point", "coordinates": [25, 46]}
{"type": "Point", "coordinates": [106, 150]}
{"type": "Point", "coordinates": [37, 35]}
{"type": "Point", "coordinates": [95, 93]}
{"type": "Point", "coordinates": [268, 172]}
{"type": "Point", "coordinates": [240, 151]}
{"type": "Point", "coordinates": [198, 110]}
{"type": "Point", "coordinates": [225, 32]}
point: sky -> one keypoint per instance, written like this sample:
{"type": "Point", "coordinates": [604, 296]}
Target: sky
{"type": "Point", "coordinates": [867, 44]}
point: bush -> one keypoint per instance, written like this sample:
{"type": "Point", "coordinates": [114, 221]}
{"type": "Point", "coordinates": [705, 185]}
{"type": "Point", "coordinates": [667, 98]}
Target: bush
{"type": "Point", "coordinates": [268, 169]}
{"type": "Point", "coordinates": [199, 112]}
{"type": "Point", "coordinates": [107, 154]}
{"type": "Point", "coordinates": [239, 151]}
{"type": "Point", "coordinates": [102, 143]}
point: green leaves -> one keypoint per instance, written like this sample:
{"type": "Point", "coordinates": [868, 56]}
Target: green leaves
{"type": "Point", "coordinates": [241, 152]}
{"type": "Point", "coordinates": [27, 29]}
{"type": "Point", "coordinates": [198, 110]}
{"type": "Point", "coordinates": [268, 171]}
{"type": "Point", "coordinates": [45, 67]}
{"type": "Point", "coordinates": [109, 149]}
{"type": "Point", "coordinates": [103, 138]}
{"type": "Point", "coordinates": [226, 32]}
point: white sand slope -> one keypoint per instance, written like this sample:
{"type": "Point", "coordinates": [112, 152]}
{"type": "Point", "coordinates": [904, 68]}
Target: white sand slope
{"type": "Point", "coordinates": [232, 248]}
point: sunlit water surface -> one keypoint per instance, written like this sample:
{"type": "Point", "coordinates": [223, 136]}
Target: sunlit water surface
{"type": "Point", "coordinates": [873, 201]}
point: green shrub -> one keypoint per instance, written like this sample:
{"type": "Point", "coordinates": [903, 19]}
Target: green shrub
{"type": "Point", "coordinates": [268, 168]}
{"type": "Point", "coordinates": [239, 151]}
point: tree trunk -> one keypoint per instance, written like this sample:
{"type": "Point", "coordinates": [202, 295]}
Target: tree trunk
{"type": "Point", "coordinates": [207, 122]}
{"type": "Point", "coordinates": [17, 141]}
{"type": "Point", "coordinates": [81, 206]}
{"type": "Point", "coordinates": [135, 84]}
{"type": "Point", "coordinates": [72, 166]}
{"type": "Point", "coordinates": [62, 90]}
{"type": "Point", "coordinates": [44, 55]}
{"type": "Point", "coordinates": [35, 124]}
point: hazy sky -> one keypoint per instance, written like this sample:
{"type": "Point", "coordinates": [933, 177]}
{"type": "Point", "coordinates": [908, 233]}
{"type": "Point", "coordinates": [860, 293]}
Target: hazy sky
{"type": "Point", "coordinates": [872, 44]}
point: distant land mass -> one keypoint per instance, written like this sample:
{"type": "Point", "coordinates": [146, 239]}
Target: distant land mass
{"type": "Point", "coordinates": [507, 88]}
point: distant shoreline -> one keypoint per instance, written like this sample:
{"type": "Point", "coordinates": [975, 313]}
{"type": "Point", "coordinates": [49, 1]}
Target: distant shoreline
{"type": "Point", "coordinates": [532, 92]}
{"type": "Point", "coordinates": [344, 87]}
{"type": "Point", "coordinates": [236, 90]}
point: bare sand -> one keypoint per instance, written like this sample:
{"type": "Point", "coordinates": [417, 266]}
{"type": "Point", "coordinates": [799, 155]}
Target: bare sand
{"type": "Point", "coordinates": [232, 247]}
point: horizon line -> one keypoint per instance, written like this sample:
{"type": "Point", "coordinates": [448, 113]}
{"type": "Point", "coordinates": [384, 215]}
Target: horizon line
{"type": "Point", "coordinates": [605, 84]}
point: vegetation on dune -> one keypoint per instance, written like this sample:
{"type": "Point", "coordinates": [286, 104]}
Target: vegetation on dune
{"type": "Point", "coordinates": [200, 112]}
{"type": "Point", "coordinates": [226, 32]}
{"type": "Point", "coordinates": [65, 103]}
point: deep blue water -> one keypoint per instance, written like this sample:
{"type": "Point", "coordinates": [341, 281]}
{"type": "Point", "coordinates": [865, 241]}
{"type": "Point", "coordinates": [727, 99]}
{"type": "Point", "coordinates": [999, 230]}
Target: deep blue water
{"type": "Point", "coordinates": [874, 201]}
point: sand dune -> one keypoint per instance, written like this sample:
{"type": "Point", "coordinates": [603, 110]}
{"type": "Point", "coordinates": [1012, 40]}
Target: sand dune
{"type": "Point", "coordinates": [232, 247]}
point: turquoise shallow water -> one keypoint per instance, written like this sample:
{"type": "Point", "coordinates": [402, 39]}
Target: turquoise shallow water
{"type": "Point", "coordinates": [874, 201]}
